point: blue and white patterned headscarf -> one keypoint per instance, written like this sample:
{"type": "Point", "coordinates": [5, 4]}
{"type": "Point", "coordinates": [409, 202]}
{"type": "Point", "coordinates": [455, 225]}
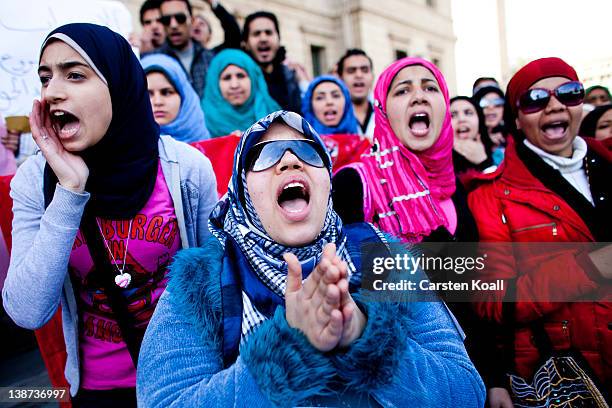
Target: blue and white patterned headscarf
{"type": "Point", "coordinates": [235, 217]}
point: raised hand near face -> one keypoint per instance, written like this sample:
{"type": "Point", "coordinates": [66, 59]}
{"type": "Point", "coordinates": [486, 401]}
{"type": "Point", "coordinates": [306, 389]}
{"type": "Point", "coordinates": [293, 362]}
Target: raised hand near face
{"type": "Point", "coordinates": [321, 307]}
{"type": "Point", "coordinates": [70, 169]}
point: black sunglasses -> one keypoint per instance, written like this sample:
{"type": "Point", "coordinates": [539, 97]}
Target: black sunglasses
{"type": "Point", "coordinates": [535, 99]}
{"type": "Point", "coordinates": [180, 18]}
{"type": "Point", "coordinates": [266, 154]}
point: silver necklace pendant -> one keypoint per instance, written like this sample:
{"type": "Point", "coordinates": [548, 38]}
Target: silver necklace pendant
{"type": "Point", "coordinates": [123, 280]}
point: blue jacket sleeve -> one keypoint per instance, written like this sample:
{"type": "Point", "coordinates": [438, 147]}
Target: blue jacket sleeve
{"type": "Point", "coordinates": [179, 368]}
{"type": "Point", "coordinates": [42, 241]}
{"type": "Point", "coordinates": [435, 370]}
{"type": "Point", "coordinates": [180, 360]}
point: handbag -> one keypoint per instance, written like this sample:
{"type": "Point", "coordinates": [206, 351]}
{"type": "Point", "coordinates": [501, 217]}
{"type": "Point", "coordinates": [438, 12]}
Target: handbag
{"type": "Point", "coordinates": [563, 377]}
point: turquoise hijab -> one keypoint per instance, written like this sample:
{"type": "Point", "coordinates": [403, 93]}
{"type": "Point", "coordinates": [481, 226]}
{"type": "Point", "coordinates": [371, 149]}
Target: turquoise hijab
{"type": "Point", "coordinates": [222, 117]}
{"type": "Point", "coordinates": [189, 125]}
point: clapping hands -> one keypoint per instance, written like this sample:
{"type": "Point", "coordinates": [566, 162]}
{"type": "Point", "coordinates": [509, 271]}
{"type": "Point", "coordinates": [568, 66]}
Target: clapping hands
{"type": "Point", "coordinates": [321, 307]}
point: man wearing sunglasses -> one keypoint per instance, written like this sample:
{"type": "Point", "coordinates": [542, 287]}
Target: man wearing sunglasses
{"type": "Point", "coordinates": [177, 19]}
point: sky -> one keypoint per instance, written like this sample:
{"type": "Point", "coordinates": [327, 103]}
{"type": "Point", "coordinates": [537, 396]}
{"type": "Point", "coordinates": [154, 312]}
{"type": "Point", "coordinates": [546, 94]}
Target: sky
{"type": "Point", "coordinates": [576, 30]}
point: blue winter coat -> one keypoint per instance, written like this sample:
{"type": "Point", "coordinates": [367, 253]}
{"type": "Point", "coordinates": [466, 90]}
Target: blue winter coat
{"type": "Point", "coordinates": [409, 355]}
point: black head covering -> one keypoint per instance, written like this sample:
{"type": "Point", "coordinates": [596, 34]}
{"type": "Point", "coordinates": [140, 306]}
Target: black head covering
{"type": "Point", "coordinates": [481, 93]}
{"type": "Point", "coordinates": [589, 123]}
{"type": "Point", "coordinates": [123, 164]}
{"type": "Point", "coordinates": [482, 128]}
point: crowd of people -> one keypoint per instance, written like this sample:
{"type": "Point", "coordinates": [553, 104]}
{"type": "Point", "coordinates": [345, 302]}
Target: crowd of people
{"type": "Point", "coordinates": [193, 219]}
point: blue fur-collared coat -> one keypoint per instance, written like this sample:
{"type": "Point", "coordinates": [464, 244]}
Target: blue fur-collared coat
{"type": "Point", "coordinates": [409, 355]}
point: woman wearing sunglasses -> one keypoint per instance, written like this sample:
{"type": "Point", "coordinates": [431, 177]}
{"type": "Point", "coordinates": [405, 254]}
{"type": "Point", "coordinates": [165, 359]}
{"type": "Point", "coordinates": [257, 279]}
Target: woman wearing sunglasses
{"type": "Point", "coordinates": [236, 94]}
{"type": "Point", "coordinates": [269, 312]}
{"type": "Point", "coordinates": [100, 211]}
{"type": "Point", "coordinates": [328, 108]}
{"type": "Point", "coordinates": [554, 186]}
{"type": "Point", "coordinates": [175, 104]}
{"type": "Point", "coordinates": [491, 100]}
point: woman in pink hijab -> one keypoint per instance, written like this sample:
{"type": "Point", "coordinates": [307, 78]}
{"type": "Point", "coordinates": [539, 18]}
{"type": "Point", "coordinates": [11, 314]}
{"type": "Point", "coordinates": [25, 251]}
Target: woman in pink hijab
{"type": "Point", "coordinates": [407, 187]}
{"type": "Point", "coordinates": [406, 184]}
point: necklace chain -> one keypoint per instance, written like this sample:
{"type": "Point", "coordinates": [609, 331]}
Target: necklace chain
{"type": "Point", "coordinates": [127, 243]}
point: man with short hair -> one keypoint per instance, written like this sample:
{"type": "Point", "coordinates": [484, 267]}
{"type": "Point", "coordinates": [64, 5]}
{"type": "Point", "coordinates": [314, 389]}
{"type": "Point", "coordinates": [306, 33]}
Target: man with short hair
{"type": "Point", "coordinates": [355, 69]}
{"type": "Point", "coordinates": [177, 18]}
{"type": "Point", "coordinates": [261, 39]}
{"type": "Point", "coordinates": [482, 82]}
{"type": "Point", "coordinates": [152, 35]}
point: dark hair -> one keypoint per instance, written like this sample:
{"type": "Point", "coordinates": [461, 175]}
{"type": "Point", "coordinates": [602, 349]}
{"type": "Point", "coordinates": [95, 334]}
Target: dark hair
{"type": "Point", "coordinates": [507, 113]}
{"type": "Point", "coordinates": [253, 16]}
{"type": "Point", "coordinates": [146, 6]}
{"type": "Point", "coordinates": [184, 1]}
{"type": "Point", "coordinates": [588, 127]}
{"type": "Point", "coordinates": [482, 128]}
{"type": "Point", "coordinates": [160, 70]}
{"type": "Point", "coordinates": [480, 79]}
{"type": "Point", "coordinates": [350, 53]}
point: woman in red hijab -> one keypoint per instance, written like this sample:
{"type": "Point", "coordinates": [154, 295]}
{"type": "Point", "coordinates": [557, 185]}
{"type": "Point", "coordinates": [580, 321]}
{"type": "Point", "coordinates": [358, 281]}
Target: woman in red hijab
{"type": "Point", "coordinates": [553, 187]}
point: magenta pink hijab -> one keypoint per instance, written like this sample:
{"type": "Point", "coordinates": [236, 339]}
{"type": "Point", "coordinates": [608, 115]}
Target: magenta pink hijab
{"type": "Point", "coordinates": [406, 187]}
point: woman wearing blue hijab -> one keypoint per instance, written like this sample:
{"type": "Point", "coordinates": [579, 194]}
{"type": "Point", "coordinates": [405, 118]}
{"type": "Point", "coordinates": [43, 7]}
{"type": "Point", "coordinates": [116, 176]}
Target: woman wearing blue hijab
{"type": "Point", "coordinates": [100, 211]}
{"type": "Point", "coordinates": [270, 312]}
{"type": "Point", "coordinates": [236, 93]}
{"type": "Point", "coordinates": [328, 108]}
{"type": "Point", "coordinates": [169, 89]}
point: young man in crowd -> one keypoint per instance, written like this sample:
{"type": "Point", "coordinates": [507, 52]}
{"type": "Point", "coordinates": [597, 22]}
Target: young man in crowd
{"type": "Point", "coordinates": [153, 35]}
{"type": "Point", "coordinates": [261, 39]}
{"type": "Point", "coordinates": [355, 69]}
{"type": "Point", "coordinates": [177, 18]}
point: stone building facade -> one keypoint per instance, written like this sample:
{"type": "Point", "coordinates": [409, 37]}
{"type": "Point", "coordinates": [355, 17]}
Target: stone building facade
{"type": "Point", "coordinates": [317, 32]}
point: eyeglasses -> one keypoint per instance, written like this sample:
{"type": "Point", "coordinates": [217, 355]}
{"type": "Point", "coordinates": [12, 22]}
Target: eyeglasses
{"type": "Point", "coordinates": [180, 18]}
{"type": "Point", "coordinates": [266, 154]}
{"type": "Point", "coordinates": [495, 102]}
{"type": "Point", "coordinates": [535, 99]}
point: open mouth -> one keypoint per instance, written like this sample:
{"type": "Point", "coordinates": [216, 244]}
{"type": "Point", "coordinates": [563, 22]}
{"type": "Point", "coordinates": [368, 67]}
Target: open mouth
{"type": "Point", "coordinates": [419, 124]}
{"type": "Point", "coordinates": [463, 132]}
{"type": "Point", "coordinates": [555, 130]}
{"type": "Point", "coordinates": [65, 123]}
{"type": "Point", "coordinates": [294, 198]}
{"type": "Point", "coordinates": [330, 115]}
{"type": "Point", "coordinates": [264, 49]}
{"type": "Point", "coordinates": [235, 94]}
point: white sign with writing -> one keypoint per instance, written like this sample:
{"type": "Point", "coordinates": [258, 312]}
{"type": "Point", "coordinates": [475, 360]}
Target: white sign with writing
{"type": "Point", "coordinates": [24, 24]}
